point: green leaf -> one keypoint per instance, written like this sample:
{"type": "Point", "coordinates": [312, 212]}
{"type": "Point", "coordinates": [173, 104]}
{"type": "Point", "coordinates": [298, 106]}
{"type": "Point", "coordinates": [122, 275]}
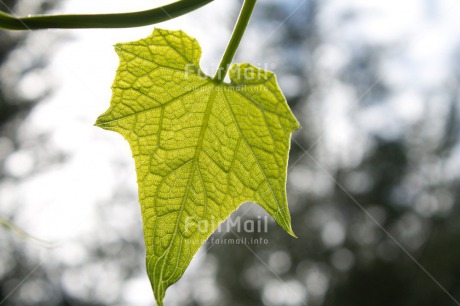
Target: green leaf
{"type": "Point", "coordinates": [201, 147]}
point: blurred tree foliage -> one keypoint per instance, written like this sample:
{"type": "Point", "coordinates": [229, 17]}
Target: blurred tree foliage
{"type": "Point", "coordinates": [15, 266]}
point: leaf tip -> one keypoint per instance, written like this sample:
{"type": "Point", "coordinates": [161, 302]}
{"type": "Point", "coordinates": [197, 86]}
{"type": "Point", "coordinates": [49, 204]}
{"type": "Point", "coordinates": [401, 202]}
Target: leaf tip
{"type": "Point", "coordinates": [98, 122]}
{"type": "Point", "coordinates": [291, 232]}
{"type": "Point", "coordinates": [159, 302]}
{"type": "Point", "coordinates": [159, 294]}
{"type": "Point", "coordinates": [296, 125]}
{"type": "Point", "coordinates": [117, 47]}
{"type": "Point", "coordinates": [102, 122]}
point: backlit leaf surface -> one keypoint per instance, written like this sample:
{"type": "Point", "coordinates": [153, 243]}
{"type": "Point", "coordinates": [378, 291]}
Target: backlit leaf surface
{"type": "Point", "coordinates": [201, 148]}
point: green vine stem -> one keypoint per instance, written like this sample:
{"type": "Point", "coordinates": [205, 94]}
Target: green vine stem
{"type": "Point", "coordinates": [122, 20]}
{"type": "Point", "coordinates": [237, 35]}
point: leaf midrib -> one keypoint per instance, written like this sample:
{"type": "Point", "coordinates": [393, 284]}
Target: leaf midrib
{"type": "Point", "coordinates": [207, 113]}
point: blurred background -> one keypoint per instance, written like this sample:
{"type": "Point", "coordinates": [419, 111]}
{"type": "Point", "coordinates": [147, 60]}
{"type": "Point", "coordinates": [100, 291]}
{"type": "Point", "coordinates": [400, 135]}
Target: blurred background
{"type": "Point", "coordinates": [373, 178]}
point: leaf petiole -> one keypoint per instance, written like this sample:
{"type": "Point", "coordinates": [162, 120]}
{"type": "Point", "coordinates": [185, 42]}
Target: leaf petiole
{"type": "Point", "coordinates": [121, 20]}
{"type": "Point", "coordinates": [237, 35]}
